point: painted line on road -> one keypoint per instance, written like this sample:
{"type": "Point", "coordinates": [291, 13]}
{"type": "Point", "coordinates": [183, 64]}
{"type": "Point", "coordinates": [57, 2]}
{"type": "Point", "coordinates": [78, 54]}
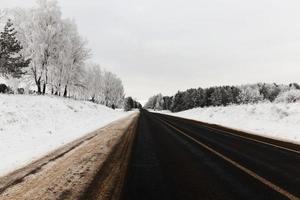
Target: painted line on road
{"type": "Point", "coordinates": [244, 169]}
{"type": "Point", "coordinates": [244, 137]}
{"type": "Point", "coordinates": [266, 143]}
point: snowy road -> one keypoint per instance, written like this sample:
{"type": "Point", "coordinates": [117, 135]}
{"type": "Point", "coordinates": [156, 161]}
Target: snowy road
{"type": "Point", "coordinates": [92, 167]}
{"type": "Point", "coordinates": [176, 158]}
{"type": "Point", "coordinates": [172, 158]}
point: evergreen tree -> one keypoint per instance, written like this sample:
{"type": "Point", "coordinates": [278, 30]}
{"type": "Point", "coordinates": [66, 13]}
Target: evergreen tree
{"type": "Point", "coordinates": [189, 99]}
{"type": "Point", "coordinates": [216, 97]}
{"type": "Point", "coordinates": [178, 102]}
{"type": "Point", "coordinates": [209, 92]}
{"type": "Point", "coordinates": [11, 61]}
{"type": "Point", "coordinates": [128, 103]}
{"type": "Point", "coordinates": [235, 93]}
{"type": "Point", "coordinates": [167, 103]}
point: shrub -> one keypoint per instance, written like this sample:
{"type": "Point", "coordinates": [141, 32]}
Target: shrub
{"type": "Point", "coordinates": [3, 88]}
{"type": "Point", "coordinates": [289, 96]}
{"type": "Point", "coordinates": [21, 90]}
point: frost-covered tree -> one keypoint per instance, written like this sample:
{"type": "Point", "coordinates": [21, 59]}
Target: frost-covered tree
{"type": "Point", "coordinates": [56, 49]}
{"type": "Point", "coordinates": [155, 102]}
{"type": "Point", "coordinates": [249, 94]}
{"type": "Point", "coordinates": [189, 99]}
{"type": "Point", "coordinates": [226, 95]}
{"type": "Point", "coordinates": [3, 17]}
{"type": "Point", "coordinates": [39, 31]}
{"type": "Point", "coordinates": [289, 96]}
{"type": "Point", "coordinates": [73, 55]}
{"type": "Point", "coordinates": [200, 97]}
{"type": "Point", "coordinates": [269, 91]}
{"type": "Point", "coordinates": [216, 96]}
{"type": "Point", "coordinates": [94, 83]}
{"type": "Point", "coordinates": [12, 62]}
{"type": "Point", "coordinates": [159, 102]}
{"type": "Point", "coordinates": [103, 87]}
{"type": "Point", "coordinates": [112, 89]}
{"type": "Point", "coordinates": [150, 104]}
{"type": "Point", "coordinates": [58, 57]}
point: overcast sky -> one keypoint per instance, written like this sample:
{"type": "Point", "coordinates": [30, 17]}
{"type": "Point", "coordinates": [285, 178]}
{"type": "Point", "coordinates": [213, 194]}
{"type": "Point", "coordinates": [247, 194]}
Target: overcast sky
{"type": "Point", "coordinates": [168, 45]}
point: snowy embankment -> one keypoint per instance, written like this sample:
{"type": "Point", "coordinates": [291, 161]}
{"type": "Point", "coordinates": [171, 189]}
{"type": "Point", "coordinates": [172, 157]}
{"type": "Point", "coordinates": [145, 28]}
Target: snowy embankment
{"type": "Point", "coordinates": [32, 126]}
{"type": "Point", "coordinates": [274, 120]}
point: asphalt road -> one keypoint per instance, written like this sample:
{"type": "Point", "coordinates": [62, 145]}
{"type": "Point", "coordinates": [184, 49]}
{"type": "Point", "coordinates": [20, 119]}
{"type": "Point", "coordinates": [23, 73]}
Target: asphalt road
{"type": "Point", "coordinates": [175, 158]}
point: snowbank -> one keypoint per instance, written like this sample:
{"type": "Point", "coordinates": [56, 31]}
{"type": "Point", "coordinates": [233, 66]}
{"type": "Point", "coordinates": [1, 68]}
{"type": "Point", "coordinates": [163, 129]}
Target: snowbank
{"type": "Point", "coordinates": [274, 120]}
{"type": "Point", "coordinates": [31, 126]}
{"type": "Point", "coordinates": [160, 111]}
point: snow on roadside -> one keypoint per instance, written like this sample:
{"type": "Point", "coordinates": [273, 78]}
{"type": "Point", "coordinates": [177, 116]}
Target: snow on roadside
{"type": "Point", "coordinates": [32, 126]}
{"type": "Point", "coordinates": [274, 120]}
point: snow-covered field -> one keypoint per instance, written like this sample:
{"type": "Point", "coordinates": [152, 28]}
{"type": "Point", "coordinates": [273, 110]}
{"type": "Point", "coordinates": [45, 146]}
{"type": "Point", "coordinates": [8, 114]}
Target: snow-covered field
{"type": "Point", "coordinates": [275, 120]}
{"type": "Point", "coordinates": [31, 126]}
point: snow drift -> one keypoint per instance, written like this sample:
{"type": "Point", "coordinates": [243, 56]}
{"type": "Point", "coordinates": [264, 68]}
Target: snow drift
{"type": "Point", "coordinates": [274, 120]}
{"type": "Point", "coordinates": [31, 126]}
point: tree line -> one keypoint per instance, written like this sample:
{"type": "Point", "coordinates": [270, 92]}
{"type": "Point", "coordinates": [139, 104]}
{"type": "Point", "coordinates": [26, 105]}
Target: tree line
{"type": "Point", "coordinates": [225, 95]}
{"type": "Point", "coordinates": [40, 48]}
{"type": "Point", "coordinates": [130, 103]}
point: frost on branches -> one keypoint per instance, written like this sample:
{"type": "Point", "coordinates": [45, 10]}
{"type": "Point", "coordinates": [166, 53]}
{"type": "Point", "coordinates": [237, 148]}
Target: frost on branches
{"type": "Point", "coordinates": [54, 57]}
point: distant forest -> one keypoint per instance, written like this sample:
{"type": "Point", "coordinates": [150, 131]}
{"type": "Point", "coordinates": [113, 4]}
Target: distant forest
{"type": "Point", "coordinates": [225, 95]}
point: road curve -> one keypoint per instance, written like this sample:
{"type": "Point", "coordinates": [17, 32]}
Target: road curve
{"type": "Point", "coordinates": [176, 158]}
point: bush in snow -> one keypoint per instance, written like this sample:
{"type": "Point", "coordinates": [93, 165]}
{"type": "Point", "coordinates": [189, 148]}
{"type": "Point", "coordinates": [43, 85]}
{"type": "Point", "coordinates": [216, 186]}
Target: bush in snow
{"type": "Point", "coordinates": [289, 96]}
{"type": "Point", "coordinates": [3, 88]}
{"type": "Point", "coordinates": [20, 90]}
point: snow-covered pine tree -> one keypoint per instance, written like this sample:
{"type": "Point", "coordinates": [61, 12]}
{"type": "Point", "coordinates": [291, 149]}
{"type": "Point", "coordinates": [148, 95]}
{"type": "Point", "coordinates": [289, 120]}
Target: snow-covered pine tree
{"type": "Point", "coordinates": [11, 61]}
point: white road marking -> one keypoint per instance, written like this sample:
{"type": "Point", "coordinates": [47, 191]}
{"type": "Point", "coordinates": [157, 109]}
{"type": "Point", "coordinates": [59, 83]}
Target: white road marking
{"type": "Point", "coordinates": [274, 145]}
{"type": "Point", "coordinates": [244, 169]}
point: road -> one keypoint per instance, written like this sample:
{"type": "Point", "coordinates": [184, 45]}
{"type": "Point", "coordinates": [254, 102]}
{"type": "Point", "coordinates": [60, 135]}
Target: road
{"type": "Point", "coordinates": [175, 158]}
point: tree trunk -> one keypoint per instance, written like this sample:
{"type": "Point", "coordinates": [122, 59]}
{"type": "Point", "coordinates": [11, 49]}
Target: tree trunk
{"type": "Point", "coordinates": [66, 91]}
{"type": "Point", "coordinates": [38, 84]}
{"type": "Point", "coordinates": [57, 93]}
{"type": "Point", "coordinates": [44, 88]}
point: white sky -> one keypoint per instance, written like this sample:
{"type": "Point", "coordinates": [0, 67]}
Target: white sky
{"type": "Point", "coordinates": [169, 45]}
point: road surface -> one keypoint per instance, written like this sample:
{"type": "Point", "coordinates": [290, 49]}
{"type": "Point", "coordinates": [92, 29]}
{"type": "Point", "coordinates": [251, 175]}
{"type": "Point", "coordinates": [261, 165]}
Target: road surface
{"type": "Point", "coordinates": [157, 156]}
{"type": "Point", "coordinates": [175, 158]}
